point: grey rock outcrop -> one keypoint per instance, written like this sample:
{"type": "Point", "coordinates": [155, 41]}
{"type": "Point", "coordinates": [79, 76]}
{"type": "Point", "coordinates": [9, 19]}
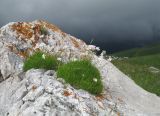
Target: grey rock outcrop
{"type": "Point", "coordinates": [38, 92]}
{"type": "Point", "coordinates": [130, 99]}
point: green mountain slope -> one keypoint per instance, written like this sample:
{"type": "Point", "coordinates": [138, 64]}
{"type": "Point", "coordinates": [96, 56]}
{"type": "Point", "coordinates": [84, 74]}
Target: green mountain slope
{"type": "Point", "coordinates": [147, 50]}
{"type": "Point", "coordinates": [142, 66]}
{"type": "Point", "coordinates": [144, 70]}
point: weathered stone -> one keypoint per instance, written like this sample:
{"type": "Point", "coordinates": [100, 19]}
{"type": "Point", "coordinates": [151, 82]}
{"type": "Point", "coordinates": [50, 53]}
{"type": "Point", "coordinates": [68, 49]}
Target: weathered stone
{"type": "Point", "coordinates": [38, 92]}
{"type": "Point", "coordinates": [33, 94]}
{"type": "Point", "coordinates": [10, 63]}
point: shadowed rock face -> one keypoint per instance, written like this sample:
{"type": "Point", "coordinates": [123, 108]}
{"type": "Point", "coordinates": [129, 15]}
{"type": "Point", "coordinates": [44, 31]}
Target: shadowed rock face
{"type": "Point", "coordinates": [39, 92]}
{"type": "Point", "coordinates": [1, 77]}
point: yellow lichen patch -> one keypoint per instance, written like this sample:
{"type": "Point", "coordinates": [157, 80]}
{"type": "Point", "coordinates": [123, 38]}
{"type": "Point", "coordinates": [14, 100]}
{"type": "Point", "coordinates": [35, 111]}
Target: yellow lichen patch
{"type": "Point", "coordinates": [75, 42]}
{"type": "Point", "coordinates": [23, 29]}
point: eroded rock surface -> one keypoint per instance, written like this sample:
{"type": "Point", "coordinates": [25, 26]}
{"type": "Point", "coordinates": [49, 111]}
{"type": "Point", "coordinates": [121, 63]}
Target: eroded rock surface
{"type": "Point", "coordinates": [39, 92]}
{"type": "Point", "coordinates": [128, 96]}
{"type": "Point", "coordinates": [20, 39]}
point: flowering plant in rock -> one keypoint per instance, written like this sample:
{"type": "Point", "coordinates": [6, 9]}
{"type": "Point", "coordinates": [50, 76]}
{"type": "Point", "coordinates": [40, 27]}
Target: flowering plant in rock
{"type": "Point", "coordinates": [40, 60]}
{"type": "Point", "coordinates": [44, 31]}
{"type": "Point", "coordinates": [59, 59]}
{"type": "Point", "coordinates": [43, 56]}
{"type": "Point", "coordinates": [93, 48]}
{"type": "Point", "coordinates": [81, 74]}
{"type": "Point", "coordinates": [95, 79]}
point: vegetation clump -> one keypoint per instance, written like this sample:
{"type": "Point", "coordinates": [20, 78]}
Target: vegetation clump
{"type": "Point", "coordinates": [40, 60]}
{"type": "Point", "coordinates": [82, 75]}
{"type": "Point", "coordinates": [44, 31]}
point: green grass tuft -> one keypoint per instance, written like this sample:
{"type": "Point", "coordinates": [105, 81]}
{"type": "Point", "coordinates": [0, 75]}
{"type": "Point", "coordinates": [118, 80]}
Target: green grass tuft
{"type": "Point", "coordinates": [44, 31]}
{"type": "Point", "coordinates": [37, 62]}
{"type": "Point", "coordinates": [82, 75]}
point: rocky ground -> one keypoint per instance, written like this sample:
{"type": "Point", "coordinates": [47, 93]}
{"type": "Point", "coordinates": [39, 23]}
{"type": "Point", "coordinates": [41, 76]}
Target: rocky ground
{"type": "Point", "coordinates": [38, 92]}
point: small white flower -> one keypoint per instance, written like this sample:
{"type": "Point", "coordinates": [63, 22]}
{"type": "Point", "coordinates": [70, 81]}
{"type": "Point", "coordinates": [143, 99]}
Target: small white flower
{"type": "Point", "coordinates": [74, 59]}
{"type": "Point", "coordinates": [91, 47]}
{"type": "Point", "coordinates": [110, 59]}
{"type": "Point", "coordinates": [97, 48]}
{"type": "Point", "coordinates": [59, 59]}
{"type": "Point", "coordinates": [43, 56]}
{"type": "Point", "coordinates": [95, 79]}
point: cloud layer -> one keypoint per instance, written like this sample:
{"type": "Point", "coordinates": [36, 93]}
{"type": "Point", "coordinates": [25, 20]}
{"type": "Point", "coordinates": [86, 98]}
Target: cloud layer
{"type": "Point", "coordinates": [102, 20]}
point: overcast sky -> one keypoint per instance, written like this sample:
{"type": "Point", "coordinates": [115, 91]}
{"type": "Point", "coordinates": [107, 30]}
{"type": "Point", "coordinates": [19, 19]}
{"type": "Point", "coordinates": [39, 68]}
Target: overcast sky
{"type": "Point", "coordinates": [104, 21]}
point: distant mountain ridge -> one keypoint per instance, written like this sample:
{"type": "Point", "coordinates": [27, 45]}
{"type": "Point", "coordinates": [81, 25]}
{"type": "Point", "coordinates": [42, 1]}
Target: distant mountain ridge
{"type": "Point", "coordinates": [146, 50]}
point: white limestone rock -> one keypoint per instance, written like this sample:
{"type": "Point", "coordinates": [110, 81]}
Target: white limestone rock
{"type": "Point", "coordinates": [38, 92]}
{"type": "Point", "coordinates": [38, 101]}
{"type": "Point", "coordinates": [10, 63]}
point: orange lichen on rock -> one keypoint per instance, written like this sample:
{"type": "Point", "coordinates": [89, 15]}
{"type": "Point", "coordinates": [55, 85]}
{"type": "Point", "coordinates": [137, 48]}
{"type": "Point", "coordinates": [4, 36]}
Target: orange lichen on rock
{"type": "Point", "coordinates": [37, 32]}
{"type": "Point", "coordinates": [75, 42]}
{"type": "Point", "coordinates": [51, 26]}
{"type": "Point", "coordinates": [23, 29]}
{"type": "Point", "coordinates": [34, 88]}
{"type": "Point", "coordinates": [25, 53]}
{"type": "Point", "coordinates": [100, 97]}
{"type": "Point", "coordinates": [118, 114]}
{"type": "Point", "coordinates": [27, 30]}
{"type": "Point", "coordinates": [67, 93]}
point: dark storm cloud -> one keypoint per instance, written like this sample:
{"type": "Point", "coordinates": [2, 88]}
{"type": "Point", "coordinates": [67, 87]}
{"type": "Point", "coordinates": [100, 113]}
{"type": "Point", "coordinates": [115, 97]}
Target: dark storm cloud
{"type": "Point", "coordinates": [103, 20]}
